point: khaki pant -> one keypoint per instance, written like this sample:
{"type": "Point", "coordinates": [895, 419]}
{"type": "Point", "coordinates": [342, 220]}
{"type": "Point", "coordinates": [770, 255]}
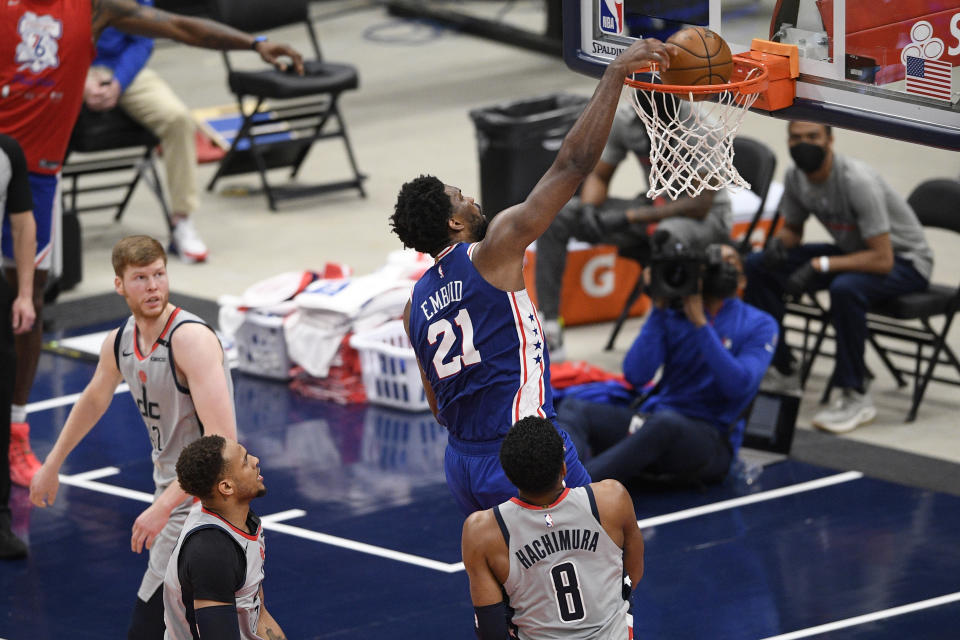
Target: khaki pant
{"type": "Point", "coordinates": [151, 102]}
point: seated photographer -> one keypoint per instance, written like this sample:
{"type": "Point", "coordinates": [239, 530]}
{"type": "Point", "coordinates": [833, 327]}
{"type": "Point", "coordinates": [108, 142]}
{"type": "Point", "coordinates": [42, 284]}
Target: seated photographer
{"type": "Point", "coordinates": [597, 218]}
{"type": "Point", "coordinates": [714, 349]}
{"type": "Point", "coordinates": [879, 251]}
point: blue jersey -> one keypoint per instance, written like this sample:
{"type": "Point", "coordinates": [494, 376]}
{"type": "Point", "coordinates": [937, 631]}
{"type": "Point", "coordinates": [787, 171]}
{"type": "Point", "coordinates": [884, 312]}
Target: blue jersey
{"type": "Point", "coordinates": [481, 348]}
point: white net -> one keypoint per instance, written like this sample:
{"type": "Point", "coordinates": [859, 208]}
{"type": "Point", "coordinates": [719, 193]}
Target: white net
{"type": "Point", "coordinates": [691, 143]}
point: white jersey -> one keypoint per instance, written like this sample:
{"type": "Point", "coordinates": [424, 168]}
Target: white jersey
{"type": "Point", "coordinates": [163, 400]}
{"type": "Point", "coordinates": [566, 573]}
{"type": "Point", "coordinates": [175, 616]}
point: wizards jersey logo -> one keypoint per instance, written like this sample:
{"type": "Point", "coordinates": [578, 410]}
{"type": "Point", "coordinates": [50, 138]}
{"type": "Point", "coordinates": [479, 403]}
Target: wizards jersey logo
{"type": "Point", "coordinates": [611, 17]}
{"type": "Point", "coordinates": [39, 47]}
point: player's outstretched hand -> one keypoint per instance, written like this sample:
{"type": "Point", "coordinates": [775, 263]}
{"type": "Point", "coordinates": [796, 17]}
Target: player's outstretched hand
{"type": "Point", "coordinates": [644, 52]}
{"type": "Point", "coordinates": [146, 527]}
{"type": "Point", "coordinates": [44, 486]}
{"type": "Point", "coordinates": [272, 52]}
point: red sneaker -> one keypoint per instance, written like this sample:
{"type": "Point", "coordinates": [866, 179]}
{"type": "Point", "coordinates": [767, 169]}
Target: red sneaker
{"type": "Point", "coordinates": [23, 464]}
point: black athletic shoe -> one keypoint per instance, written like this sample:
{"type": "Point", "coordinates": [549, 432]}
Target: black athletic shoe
{"type": "Point", "coordinates": [11, 547]}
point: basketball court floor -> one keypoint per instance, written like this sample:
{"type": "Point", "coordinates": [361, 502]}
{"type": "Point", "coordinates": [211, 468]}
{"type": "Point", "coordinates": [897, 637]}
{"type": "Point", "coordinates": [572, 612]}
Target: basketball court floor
{"type": "Point", "coordinates": [363, 537]}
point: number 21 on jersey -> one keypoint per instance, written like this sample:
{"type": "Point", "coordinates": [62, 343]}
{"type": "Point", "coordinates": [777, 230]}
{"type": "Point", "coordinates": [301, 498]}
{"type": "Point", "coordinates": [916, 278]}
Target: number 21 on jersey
{"type": "Point", "coordinates": [469, 354]}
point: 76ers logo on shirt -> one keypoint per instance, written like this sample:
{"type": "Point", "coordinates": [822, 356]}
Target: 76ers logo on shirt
{"type": "Point", "coordinates": [611, 16]}
{"type": "Point", "coordinates": [40, 44]}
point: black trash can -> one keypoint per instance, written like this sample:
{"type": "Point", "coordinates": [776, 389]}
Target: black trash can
{"type": "Point", "coordinates": [517, 142]}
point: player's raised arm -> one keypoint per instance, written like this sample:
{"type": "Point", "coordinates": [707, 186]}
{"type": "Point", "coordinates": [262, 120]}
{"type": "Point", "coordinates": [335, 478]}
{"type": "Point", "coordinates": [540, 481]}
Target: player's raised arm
{"type": "Point", "coordinates": [137, 19]}
{"type": "Point", "coordinates": [515, 228]}
{"type": "Point", "coordinates": [91, 406]}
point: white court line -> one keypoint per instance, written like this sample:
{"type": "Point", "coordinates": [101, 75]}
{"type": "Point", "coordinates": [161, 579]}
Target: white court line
{"type": "Point", "coordinates": [756, 497]}
{"type": "Point", "coordinates": [53, 403]}
{"type": "Point", "coordinates": [870, 617]}
{"type": "Point", "coordinates": [270, 522]}
{"type": "Point", "coordinates": [353, 545]}
{"type": "Point", "coordinates": [96, 474]}
{"type": "Point", "coordinates": [80, 480]}
{"type": "Point", "coordinates": [283, 515]}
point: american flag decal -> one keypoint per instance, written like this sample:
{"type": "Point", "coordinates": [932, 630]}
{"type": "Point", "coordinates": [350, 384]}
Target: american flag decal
{"type": "Point", "coordinates": [930, 78]}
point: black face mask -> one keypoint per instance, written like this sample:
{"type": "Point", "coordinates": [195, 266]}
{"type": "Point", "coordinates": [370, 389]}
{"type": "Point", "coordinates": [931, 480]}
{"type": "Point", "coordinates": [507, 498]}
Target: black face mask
{"type": "Point", "coordinates": [721, 281]}
{"type": "Point", "coordinates": [809, 157]}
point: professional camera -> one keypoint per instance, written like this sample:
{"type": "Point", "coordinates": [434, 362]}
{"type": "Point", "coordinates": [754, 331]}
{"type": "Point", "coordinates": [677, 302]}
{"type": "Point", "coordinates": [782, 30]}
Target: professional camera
{"type": "Point", "coordinates": [675, 268]}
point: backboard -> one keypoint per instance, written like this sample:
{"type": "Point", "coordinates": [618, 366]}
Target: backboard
{"type": "Point", "coordinates": [886, 67]}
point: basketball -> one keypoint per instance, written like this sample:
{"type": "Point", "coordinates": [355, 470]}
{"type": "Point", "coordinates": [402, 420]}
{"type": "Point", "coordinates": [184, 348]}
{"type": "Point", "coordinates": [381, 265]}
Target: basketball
{"type": "Point", "coordinates": [704, 58]}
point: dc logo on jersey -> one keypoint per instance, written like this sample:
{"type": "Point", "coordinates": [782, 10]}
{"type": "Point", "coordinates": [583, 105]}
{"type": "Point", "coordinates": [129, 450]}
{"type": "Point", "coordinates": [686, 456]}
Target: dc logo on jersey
{"type": "Point", "coordinates": [40, 45]}
{"type": "Point", "coordinates": [611, 17]}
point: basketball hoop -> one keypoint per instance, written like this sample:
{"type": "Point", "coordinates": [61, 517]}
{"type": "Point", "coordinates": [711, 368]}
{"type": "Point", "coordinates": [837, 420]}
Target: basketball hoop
{"type": "Point", "coordinates": [692, 127]}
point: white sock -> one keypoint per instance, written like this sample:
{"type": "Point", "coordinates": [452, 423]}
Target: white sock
{"type": "Point", "coordinates": [18, 413]}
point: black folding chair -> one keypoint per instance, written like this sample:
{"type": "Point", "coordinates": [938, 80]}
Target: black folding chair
{"type": "Point", "coordinates": [112, 145]}
{"type": "Point", "coordinates": [937, 204]}
{"type": "Point", "coordinates": [756, 162]}
{"type": "Point", "coordinates": [291, 112]}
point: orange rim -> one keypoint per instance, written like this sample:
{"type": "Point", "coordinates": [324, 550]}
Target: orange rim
{"type": "Point", "coordinates": [754, 84]}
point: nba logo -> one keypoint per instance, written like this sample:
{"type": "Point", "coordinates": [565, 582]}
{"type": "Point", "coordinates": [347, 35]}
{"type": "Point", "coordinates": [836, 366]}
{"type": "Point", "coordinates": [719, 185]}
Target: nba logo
{"type": "Point", "coordinates": [611, 17]}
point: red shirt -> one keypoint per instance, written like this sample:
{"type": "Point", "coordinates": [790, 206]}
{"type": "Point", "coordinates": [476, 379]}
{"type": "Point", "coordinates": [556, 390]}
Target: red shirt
{"type": "Point", "coordinates": [46, 47]}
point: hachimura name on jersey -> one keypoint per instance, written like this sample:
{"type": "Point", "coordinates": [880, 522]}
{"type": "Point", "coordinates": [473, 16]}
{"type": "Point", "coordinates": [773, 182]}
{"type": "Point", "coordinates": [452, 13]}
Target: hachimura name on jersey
{"type": "Point", "coordinates": [556, 541]}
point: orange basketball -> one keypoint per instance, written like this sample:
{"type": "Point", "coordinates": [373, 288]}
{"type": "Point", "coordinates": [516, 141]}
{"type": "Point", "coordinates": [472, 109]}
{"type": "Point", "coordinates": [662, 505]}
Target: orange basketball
{"type": "Point", "coordinates": [704, 58]}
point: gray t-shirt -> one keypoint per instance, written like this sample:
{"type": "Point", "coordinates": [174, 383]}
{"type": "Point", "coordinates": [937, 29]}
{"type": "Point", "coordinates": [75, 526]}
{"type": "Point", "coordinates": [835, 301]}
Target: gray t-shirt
{"type": "Point", "coordinates": [629, 135]}
{"type": "Point", "coordinates": [855, 203]}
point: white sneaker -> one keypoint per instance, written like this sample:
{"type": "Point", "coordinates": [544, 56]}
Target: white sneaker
{"type": "Point", "coordinates": [186, 242]}
{"type": "Point", "coordinates": [553, 335]}
{"type": "Point", "coordinates": [775, 382]}
{"type": "Point", "coordinates": [850, 410]}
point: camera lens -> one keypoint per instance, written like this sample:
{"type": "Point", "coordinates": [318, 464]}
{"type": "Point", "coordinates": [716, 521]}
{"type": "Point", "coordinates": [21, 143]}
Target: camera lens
{"type": "Point", "coordinates": [675, 275]}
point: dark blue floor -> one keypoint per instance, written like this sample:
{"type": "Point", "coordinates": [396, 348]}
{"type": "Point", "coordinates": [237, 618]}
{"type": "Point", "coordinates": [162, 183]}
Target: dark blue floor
{"type": "Point", "coordinates": [375, 476]}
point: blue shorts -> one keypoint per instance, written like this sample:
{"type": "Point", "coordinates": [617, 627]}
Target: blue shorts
{"type": "Point", "coordinates": [46, 211]}
{"type": "Point", "coordinates": [477, 480]}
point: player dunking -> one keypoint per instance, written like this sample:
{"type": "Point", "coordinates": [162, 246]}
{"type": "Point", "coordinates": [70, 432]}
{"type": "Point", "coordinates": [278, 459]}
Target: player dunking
{"type": "Point", "coordinates": [475, 332]}
{"type": "Point", "coordinates": [46, 48]}
{"type": "Point", "coordinates": [558, 553]}
{"type": "Point", "coordinates": [179, 378]}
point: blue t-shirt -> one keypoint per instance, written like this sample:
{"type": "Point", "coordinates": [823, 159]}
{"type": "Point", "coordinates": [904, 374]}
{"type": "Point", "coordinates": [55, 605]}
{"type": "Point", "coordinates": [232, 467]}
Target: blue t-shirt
{"type": "Point", "coordinates": [481, 348]}
{"type": "Point", "coordinates": [710, 373]}
{"type": "Point", "coordinates": [125, 54]}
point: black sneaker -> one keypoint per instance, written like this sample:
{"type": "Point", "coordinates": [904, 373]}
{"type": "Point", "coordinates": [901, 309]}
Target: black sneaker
{"type": "Point", "coordinates": [11, 547]}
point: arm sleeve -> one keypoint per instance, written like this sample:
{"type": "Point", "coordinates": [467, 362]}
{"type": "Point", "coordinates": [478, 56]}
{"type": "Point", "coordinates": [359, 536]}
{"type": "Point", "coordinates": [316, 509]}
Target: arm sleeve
{"type": "Point", "coordinates": [792, 210]}
{"type": "Point", "coordinates": [647, 351]}
{"type": "Point", "coordinates": [213, 564]}
{"type": "Point", "coordinates": [867, 201]}
{"type": "Point", "coordinates": [740, 374]}
{"type": "Point", "coordinates": [491, 622]}
{"type": "Point", "coordinates": [218, 623]}
{"type": "Point", "coordinates": [19, 198]}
